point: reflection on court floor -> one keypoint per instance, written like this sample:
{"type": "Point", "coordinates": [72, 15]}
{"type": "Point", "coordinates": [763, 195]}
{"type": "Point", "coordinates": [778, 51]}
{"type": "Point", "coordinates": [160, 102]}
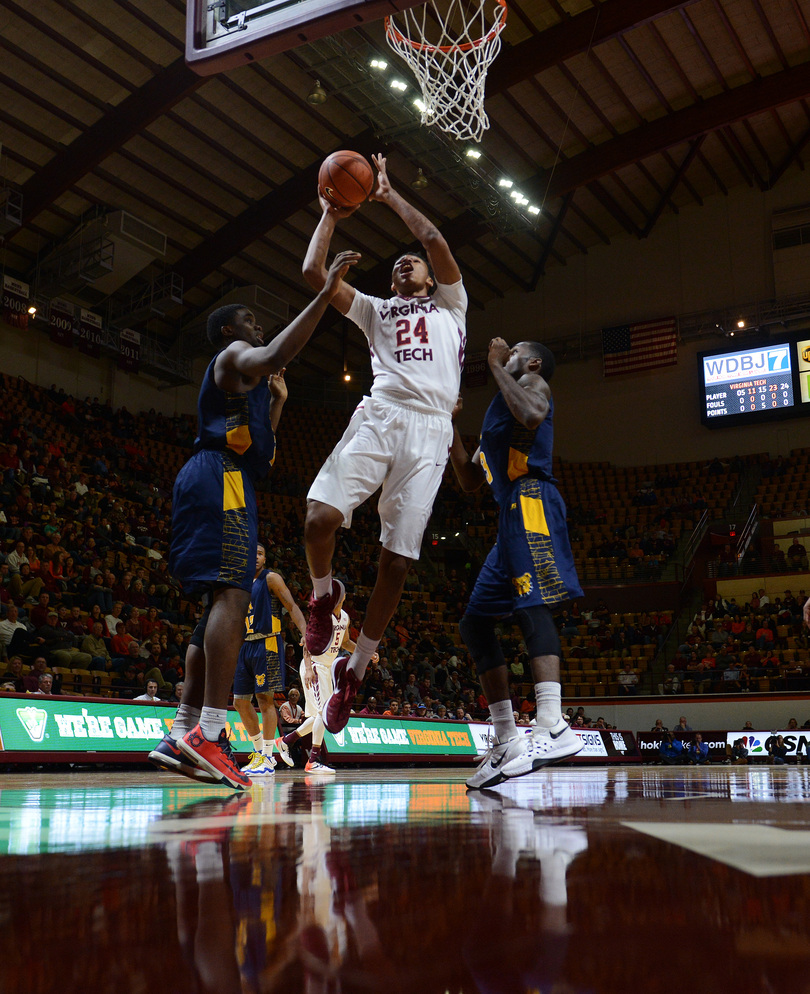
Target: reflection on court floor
{"type": "Point", "coordinates": [573, 880]}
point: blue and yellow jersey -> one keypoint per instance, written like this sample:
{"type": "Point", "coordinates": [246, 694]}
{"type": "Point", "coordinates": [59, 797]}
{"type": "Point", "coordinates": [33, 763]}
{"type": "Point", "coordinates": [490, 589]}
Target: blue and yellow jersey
{"type": "Point", "coordinates": [509, 451]}
{"type": "Point", "coordinates": [264, 613]}
{"type": "Point", "coordinates": [237, 423]}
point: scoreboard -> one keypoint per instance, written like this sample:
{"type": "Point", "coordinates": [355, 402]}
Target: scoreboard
{"type": "Point", "coordinates": [760, 383]}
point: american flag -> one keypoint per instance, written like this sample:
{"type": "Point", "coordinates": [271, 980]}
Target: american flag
{"type": "Point", "coordinates": [630, 348]}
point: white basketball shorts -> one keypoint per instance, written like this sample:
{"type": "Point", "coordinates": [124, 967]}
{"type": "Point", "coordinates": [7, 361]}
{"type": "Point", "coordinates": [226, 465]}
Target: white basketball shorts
{"type": "Point", "coordinates": [391, 444]}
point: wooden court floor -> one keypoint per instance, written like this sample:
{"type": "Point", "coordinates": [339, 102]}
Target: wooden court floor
{"type": "Point", "coordinates": [572, 880]}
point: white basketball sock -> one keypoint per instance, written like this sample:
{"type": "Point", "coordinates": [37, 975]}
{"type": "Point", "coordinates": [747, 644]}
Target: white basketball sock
{"type": "Point", "coordinates": [322, 585]}
{"type": "Point", "coordinates": [548, 694]}
{"type": "Point", "coordinates": [363, 651]}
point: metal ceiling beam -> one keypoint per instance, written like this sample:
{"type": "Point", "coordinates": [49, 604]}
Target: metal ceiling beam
{"type": "Point", "coordinates": [665, 132]}
{"type": "Point", "coordinates": [540, 269]}
{"type": "Point", "coordinates": [127, 119]}
{"type": "Point", "coordinates": [277, 206]}
{"type": "Point", "coordinates": [571, 37]}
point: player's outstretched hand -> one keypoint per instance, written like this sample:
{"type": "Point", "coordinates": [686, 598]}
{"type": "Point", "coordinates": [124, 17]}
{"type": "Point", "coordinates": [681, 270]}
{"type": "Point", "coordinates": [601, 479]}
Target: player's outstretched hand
{"type": "Point", "coordinates": [498, 352]}
{"type": "Point", "coordinates": [278, 385]}
{"type": "Point", "coordinates": [383, 188]}
{"type": "Point", "coordinates": [338, 269]}
{"type": "Point", "coordinates": [329, 208]}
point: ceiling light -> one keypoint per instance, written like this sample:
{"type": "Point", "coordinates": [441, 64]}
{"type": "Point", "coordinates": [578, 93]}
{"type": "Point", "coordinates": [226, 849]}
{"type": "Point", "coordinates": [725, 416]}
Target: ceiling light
{"type": "Point", "coordinates": [347, 377]}
{"type": "Point", "coordinates": [397, 84]}
{"type": "Point", "coordinates": [420, 181]}
{"type": "Point", "coordinates": [515, 195]}
{"type": "Point", "coordinates": [473, 153]}
{"type": "Point", "coordinates": [741, 323]}
{"type": "Point", "coordinates": [420, 105]}
{"type": "Point", "coordinates": [533, 209]}
{"type": "Point", "coordinates": [507, 183]}
{"type": "Point", "coordinates": [317, 95]}
{"type": "Point", "coordinates": [378, 64]}
{"type": "Point", "coordinates": [32, 310]}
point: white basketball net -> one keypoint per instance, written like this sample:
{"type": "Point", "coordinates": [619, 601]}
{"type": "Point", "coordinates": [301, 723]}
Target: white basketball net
{"type": "Point", "coordinates": [449, 53]}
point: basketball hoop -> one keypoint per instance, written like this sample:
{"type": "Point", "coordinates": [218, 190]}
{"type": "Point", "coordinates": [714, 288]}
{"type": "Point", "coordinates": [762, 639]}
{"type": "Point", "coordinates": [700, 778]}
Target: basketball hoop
{"type": "Point", "coordinates": [452, 69]}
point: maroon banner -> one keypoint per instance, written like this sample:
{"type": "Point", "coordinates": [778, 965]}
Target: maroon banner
{"type": "Point", "coordinates": [15, 302]}
{"type": "Point", "coordinates": [90, 334]}
{"type": "Point", "coordinates": [476, 370]}
{"type": "Point", "coordinates": [129, 355]}
{"type": "Point", "coordinates": [60, 322]}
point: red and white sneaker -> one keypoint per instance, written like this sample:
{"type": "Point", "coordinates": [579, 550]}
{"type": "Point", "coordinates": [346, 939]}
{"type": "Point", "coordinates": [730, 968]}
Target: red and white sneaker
{"type": "Point", "coordinates": [319, 624]}
{"type": "Point", "coordinates": [338, 707]}
{"type": "Point", "coordinates": [215, 757]}
{"type": "Point", "coordinates": [315, 766]}
{"type": "Point", "coordinates": [167, 755]}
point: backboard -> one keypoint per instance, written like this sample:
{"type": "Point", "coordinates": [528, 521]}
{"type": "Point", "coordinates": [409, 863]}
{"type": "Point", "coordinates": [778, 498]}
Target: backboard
{"type": "Point", "coordinates": [223, 34]}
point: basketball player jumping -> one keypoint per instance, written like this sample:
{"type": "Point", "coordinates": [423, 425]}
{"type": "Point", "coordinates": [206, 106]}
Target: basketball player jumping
{"type": "Point", "coordinates": [316, 677]}
{"type": "Point", "coordinates": [529, 570]}
{"type": "Point", "coordinates": [399, 437]}
{"type": "Point", "coordinates": [260, 667]}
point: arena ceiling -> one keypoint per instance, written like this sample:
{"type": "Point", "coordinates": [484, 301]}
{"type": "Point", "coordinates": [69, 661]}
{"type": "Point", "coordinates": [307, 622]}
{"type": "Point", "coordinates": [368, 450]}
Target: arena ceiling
{"type": "Point", "coordinates": [608, 115]}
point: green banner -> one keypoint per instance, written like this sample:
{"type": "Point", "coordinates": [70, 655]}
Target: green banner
{"type": "Point", "coordinates": [50, 724]}
{"type": "Point", "coordinates": [391, 737]}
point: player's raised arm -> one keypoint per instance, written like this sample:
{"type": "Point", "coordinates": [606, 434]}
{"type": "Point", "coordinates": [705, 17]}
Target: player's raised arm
{"type": "Point", "coordinates": [278, 396]}
{"type": "Point", "coordinates": [527, 398]}
{"type": "Point", "coordinates": [469, 472]}
{"type": "Point", "coordinates": [242, 362]}
{"type": "Point", "coordinates": [438, 251]}
{"type": "Point", "coordinates": [314, 267]}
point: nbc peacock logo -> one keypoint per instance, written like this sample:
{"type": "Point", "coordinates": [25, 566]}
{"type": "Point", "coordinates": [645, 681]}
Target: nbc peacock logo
{"type": "Point", "coordinates": [753, 744]}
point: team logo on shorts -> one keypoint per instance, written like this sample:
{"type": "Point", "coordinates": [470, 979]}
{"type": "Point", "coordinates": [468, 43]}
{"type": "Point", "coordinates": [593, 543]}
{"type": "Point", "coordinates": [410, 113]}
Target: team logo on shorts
{"type": "Point", "coordinates": [260, 678]}
{"type": "Point", "coordinates": [522, 584]}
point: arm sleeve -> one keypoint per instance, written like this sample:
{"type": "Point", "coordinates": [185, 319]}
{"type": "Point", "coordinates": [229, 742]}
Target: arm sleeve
{"type": "Point", "coordinates": [363, 312]}
{"type": "Point", "coordinates": [453, 296]}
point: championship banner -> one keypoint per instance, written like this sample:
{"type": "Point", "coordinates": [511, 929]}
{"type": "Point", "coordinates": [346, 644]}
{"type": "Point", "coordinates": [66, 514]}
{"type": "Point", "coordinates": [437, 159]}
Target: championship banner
{"type": "Point", "coordinates": [60, 322]}
{"type": "Point", "coordinates": [129, 356]}
{"type": "Point", "coordinates": [90, 335]}
{"type": "Point", "coordinates": [476, 370]}
{"type": "Point", "coordinates": [15, 302]}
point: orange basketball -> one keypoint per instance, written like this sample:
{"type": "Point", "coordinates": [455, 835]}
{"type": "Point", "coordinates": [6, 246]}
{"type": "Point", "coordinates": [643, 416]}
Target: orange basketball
{"type": "Point", "coordinates": [345, 178]}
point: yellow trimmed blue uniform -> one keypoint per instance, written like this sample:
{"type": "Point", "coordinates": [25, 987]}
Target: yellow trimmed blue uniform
{"type": "Point", "coordinates": [531, 562]}
{"type": "Point", "coordinates": [260, 667]}
{"type": "Point", "coordinates": [214, 515]}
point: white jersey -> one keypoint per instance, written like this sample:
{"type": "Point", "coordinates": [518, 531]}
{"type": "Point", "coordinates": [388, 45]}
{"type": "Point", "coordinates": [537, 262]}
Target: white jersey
{"type": "Point", "coordinates": [339, 628]}
{"type": "Point", "coordinates": [417, 344]}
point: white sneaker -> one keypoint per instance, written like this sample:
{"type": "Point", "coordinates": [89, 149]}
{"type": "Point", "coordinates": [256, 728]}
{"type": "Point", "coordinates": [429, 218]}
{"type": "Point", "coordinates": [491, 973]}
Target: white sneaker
{"type": "Point", "coordinates": [491, 769]}
{"type": "Point", "coordinates": [283, 751]}
{"type": "Point", "coordinates": [263, 768]}
{"type": "Point", "coordinates": [256, 759]}
{"type": "Point", "coordinates": [545, 746]}
{"type": "Point", "coordinates": [322, 768]}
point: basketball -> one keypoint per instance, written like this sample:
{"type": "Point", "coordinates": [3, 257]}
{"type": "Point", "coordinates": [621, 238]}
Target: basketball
{"type": "Point", "coordinates": [345, 178]}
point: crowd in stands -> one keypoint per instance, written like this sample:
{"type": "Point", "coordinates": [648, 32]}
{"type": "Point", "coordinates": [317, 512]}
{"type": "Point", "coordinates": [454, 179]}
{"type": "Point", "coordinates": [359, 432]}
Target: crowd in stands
{"type": "Point", "coordinates": [86, 594]}
{"type": "Point", "coordinates": [87, 598]}
{"type": "Point", "coordinates": [736, 648]}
